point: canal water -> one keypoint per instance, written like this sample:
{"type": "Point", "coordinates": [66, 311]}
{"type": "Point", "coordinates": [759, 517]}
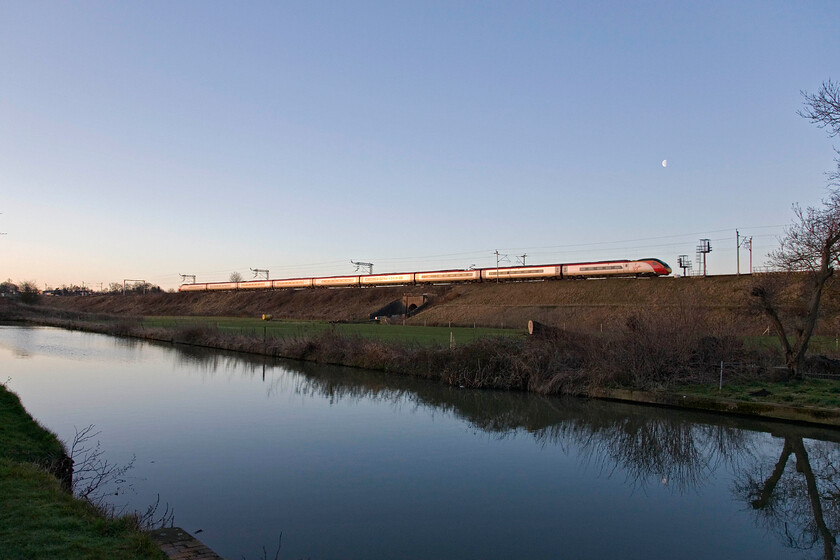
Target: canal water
{"type": "Point", "coordinates": [350, 463]}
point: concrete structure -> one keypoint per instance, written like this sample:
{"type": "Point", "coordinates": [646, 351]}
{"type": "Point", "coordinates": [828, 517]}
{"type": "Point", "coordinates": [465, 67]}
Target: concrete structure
{"type": "Point", "coordinates": [177, 544]}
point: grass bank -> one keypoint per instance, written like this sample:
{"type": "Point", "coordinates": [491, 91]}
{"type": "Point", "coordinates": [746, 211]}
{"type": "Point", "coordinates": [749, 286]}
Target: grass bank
{"type": "Point", "coordinates": [39, 518]}
{"type": "Point", "coordinates": [808, 392]}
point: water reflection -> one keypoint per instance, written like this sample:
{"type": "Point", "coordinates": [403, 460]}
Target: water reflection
{"type": "Point", "coordinates": [30, 341]}
{"type": "Point", "coordinates": [798, 499]}
{"type": "Point", "coordinates": [784, 478]}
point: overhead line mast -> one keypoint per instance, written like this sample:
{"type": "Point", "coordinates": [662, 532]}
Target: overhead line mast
{"type": "Point", "coordinates": [499, 258]}
{"type": "Point", "coordinates": [258, 271]}
{"type": "Point", "coordinates": [359, 265]}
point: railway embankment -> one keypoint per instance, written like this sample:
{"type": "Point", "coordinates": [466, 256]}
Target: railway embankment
{"type": "Point", "coordinates": [343, 305]}
{"type": "Point", "coordinates": [577, 305]}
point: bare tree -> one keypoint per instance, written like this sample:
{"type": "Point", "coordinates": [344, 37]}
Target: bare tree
{"type": "Point", "coordinates": [823, 109]}
{"type": "Point", "coordinates": [29, 292]}
{"type": "Point", "coordinates": [810, 246]}
{"type": "Point", "coordinates": [235, 277]}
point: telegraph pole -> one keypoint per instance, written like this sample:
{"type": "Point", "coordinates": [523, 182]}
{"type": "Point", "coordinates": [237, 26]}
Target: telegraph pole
{"type": "Point", "coordinates": [737, 253]}
{"type": "Point", "coordinates": [522, 258]}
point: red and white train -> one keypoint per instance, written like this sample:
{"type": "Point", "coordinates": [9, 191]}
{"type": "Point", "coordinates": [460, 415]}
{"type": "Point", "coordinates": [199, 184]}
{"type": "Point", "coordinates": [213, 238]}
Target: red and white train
{"type": "Point", "coordinates": [602, 269]}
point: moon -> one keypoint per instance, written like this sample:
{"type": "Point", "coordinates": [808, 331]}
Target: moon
{"type": "Point", "coordinates": [664, 163]}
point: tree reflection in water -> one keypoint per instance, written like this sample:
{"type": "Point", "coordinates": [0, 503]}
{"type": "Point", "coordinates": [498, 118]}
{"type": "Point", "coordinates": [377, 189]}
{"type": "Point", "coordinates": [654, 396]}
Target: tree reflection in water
{"type": "Point", "coordinates": [655, 448]}
{"type": "Point", "coordinates": [798, 499]}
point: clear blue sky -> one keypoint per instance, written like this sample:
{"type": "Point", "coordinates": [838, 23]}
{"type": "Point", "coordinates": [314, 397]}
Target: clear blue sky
{"type": "Point", "coordinates": [146, 139]}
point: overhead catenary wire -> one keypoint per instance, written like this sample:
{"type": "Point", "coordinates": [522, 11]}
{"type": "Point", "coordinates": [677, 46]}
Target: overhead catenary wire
{"type": "Point", "coordinates": [619, 248]}
{"type": "Point", "coordinates": [537, 252]}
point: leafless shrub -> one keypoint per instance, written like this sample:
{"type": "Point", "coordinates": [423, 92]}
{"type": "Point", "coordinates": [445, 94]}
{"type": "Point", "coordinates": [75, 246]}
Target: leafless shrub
{"type": "Point", "coordinates": [94, 477]}
{"type": "Point", "coordinates": [150, 518]}
{"type": "Point", "coordinates": [195, 334]}
{"type": "Point", "coordinates": [96, 480]}
{"type": "Point", "coordinates": [486, 363]}
{"type": "Point", "coordinates": [297, 347]}
{"type": "Point", "coordinates": [650, 353]}
{"type": "Point", "coordinates": [559, 363]}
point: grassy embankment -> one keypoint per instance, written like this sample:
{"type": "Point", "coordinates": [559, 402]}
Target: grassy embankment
{"type": "Point", "coordinates": [41, 519]}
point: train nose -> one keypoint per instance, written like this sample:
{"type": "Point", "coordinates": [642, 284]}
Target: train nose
{"type": "Point", "coordinates": [662, 268]}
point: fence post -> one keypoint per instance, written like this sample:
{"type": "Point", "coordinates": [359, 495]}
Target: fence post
{"type": "Point", "coordinates": [720, 387]}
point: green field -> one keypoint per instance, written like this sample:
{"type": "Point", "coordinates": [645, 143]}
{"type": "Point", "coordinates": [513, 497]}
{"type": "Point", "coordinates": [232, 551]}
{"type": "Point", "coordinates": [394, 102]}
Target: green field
{"type": "Point", "coordinates": [280, 329]}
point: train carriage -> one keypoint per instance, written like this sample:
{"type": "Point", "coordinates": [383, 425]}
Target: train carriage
{"type": "Point", "coordinates": [193, 288]}
{"type": "Point", "coordinates": [445, 276]}
{"type": "Point", "coordinates": [255, 285]}
{"type": "Point", "coordinates": [335, 281]}
{"type": "Point", "coordinates": [293, 283]}
{"type": "Point", "coordinates": [222, 285]}
{"type": "Point", "coordinates": [522, 273]}
{"type": "Point", "coordinates": [386, 279]}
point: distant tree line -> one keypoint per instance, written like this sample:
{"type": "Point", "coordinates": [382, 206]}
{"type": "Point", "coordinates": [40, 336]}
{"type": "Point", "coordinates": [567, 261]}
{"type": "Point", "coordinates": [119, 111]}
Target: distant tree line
{"type": "Point", "coordinates": [28, 291]}
{"type": "Point", "coordinates": [133, 288]}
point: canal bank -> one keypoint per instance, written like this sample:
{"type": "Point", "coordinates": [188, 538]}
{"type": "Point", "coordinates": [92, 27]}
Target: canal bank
{"type": "Point", "coordinates": [39, 518]}
{"type": "Point", "coordinates": [649, 364]}
{"type": "Point", "coordinates": [805, 414]}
